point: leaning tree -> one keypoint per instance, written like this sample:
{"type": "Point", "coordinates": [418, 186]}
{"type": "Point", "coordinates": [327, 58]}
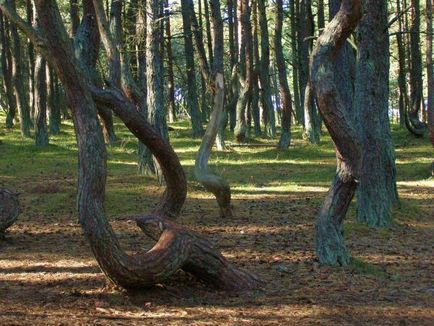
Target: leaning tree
{"type": "Point", "coordinates": [176, 247]}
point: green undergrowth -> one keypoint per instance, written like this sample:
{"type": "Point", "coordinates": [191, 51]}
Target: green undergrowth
{"type": "Point", "coordinates": [303, 170]}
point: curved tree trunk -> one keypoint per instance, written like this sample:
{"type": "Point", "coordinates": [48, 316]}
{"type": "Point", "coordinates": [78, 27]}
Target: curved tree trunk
{"type": "Point", "coordinates": [9, 210]}
{"type": "Point", "coordinates": [330, 246]}
{"type": "Point", "coordinates": [213, 183]}
{"type": "Point", "coordinates": [285, 94]}
{"type": "Point", "coordinates": [176, 248]}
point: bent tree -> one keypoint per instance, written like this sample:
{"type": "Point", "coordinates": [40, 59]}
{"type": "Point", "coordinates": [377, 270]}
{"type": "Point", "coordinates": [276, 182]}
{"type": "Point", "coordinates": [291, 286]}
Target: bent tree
{"type": "Point", "coordinates": [214, 81]}
{"type": "Point", "coordinates": [176, 247]}
{"type": "Point", "coordinates": [330, 246]}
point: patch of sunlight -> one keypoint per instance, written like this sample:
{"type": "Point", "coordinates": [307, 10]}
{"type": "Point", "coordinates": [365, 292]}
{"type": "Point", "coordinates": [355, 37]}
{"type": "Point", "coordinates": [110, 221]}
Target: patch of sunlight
{"type": "Point", "coordinates": [418, 183]}
{"type": "Point", "coordinates": [280, 188]}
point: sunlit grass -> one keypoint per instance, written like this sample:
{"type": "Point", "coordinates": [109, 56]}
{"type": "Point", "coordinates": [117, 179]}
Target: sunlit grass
{"type": "Point", "coordinates": [251, 171]}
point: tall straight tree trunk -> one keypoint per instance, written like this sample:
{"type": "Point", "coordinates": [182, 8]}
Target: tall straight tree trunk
{"type": "Point", "coordinates": [192, 98]}
{"type": "Point", "coordinates": [41, 130]}
{"type": "Point", "coordinates": [171, 107]}
{"type": "Point", "coordinates": [413, 122]}
{"type": "Point", "coordinates": [31, 60]}
{"type": "Point", "coordinates": [311, 118]}
{"type": "Point", "coordinates": [154, 74]}
{"type": "Point", "coordinates": [377, 184]}
{"type": "Point", "coordinates": [40, 96]}
{"type": "Point", "coordinates": [285, 94]}
{"type": "Point", "coordinates": [294, 13]}
{"type": "Point", "coordinates": [264, 71]}
{"type": "Point", "coordinates": [256, 115]}
{"type": "Point", "coordinates": [246, 73]}
{"type": "Point", "coordinates": [330, 247]}
{"type": "Point", "coordinates": [6, 65]}
{"type": "Point", "coordinates": [18, 79]}
{"type": "Point", "coordinates": [402, 75]}
{"type": "Point", "coordinates": [53, 106]}
{"type": "Point", "coordinates": [430, 73]}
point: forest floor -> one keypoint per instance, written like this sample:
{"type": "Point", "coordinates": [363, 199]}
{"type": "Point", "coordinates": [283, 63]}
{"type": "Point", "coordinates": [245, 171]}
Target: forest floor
{"type": "Point", "coordinates": [48, 275]}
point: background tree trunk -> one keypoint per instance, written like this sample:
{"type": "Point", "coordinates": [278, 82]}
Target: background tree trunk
{"type": "Point", "coordinates": [285, 94]}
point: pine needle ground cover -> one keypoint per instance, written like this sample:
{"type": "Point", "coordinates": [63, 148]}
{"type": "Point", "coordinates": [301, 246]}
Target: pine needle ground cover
{"type": "Point", "coordinates": [49, 276]}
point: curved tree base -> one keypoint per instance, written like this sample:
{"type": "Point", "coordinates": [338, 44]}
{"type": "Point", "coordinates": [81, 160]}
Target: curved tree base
{"type": "Point", "coordinates": [414, 125]}
{"type": "Point", "coordinates": [330, 246]}
{"type": "Point", "coordinates": [9, 210]}
{"type": "Point", "coordinates": [199, 258]}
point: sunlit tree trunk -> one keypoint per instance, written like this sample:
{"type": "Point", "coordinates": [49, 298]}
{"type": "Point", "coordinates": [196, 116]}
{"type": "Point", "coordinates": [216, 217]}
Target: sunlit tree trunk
{"type": "Point", "coordinates": [6, 65]}
{"type": "Point", "coordinates": [285, 94]}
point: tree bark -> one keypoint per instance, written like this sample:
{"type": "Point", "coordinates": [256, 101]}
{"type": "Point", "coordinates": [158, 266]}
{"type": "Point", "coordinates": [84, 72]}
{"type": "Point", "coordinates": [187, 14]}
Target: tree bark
{"type": "Point", "coordinates": [171, 108]}
{"type": "Point", "coordinates": [264, 71]}
{"type": "Point", "coordinates": [430, 73]}
{"type": "Point", "coordinates": [285, 94]}
{"type": "Point", "coordinates": [175, 248]}
{"type": "Point", "coordinates": [246, 70]}
{"type": "Point", "coordinates": [330, 247]}
{"type": "Point", "coordinates": [6, 64]}
{"type": "Point", "coordinates": [213, 183]}
{"type": "Point", "coordinates": [377, 190]}
{"type": "Point", "coordinates": [18, 77]}
{"type": "Point", "coordinates": [192, 102]}
{"type": "Point", "coordinates": [9, 210]}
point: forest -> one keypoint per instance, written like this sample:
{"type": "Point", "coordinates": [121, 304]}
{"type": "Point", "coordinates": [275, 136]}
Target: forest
{"type": "Point", "coordinates": [216, 162]}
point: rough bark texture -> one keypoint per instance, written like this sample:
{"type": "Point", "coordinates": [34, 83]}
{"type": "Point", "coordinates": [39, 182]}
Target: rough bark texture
{"type": "Point", "coordinates": [330, 247]}
{"type": "Point", "coordinates": [9, 210]}
{"type": "Point", "coordinates": [175, 248]}
{"type": "Point", "coordinates": [377, 184]}
{"type": "Point", "coordinates": [285, 94]}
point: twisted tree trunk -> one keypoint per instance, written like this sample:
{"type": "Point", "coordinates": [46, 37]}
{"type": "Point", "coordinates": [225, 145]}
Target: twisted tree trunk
{"type": "Point", "coordinates": [330, 246]}
{"type": "Point", "coordinates": [176, 247]}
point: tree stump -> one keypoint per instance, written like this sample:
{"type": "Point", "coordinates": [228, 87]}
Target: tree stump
{"type": "Point", "coordinates": [9, 210]}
